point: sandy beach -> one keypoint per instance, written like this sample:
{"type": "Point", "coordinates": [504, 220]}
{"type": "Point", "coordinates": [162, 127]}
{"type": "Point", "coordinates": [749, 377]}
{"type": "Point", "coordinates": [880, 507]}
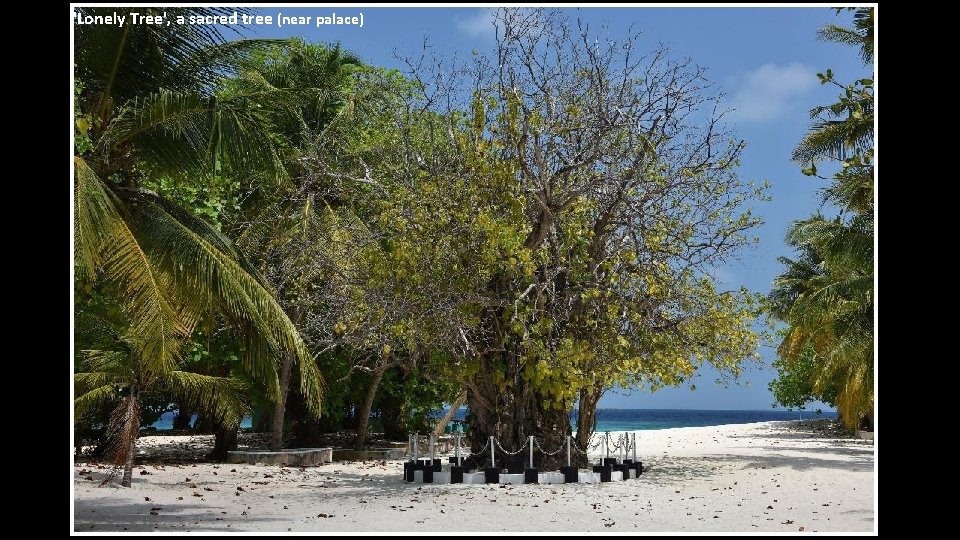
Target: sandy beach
{"type": "Point", "coordinates": [771, 476]}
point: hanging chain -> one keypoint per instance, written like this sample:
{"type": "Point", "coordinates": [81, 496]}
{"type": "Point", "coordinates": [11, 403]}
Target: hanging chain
{"type": "Point", "coordinates": [504, 450]}
{"type": "Point", "coordinates": [544, 452]}
{"type": "Point", "coordinates": [482, 450]}
{"type": "Point", "coordinates": [590, 447]}
{"type": "Point", "coordinates": [617, 445]}
{"type": "Point", "coordinates": [595, 445]}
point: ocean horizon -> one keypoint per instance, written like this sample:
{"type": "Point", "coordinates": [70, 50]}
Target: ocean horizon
{"type": "Point", "coordinates": [649, 419]}
{"type": "Point", "coordinates": [634, 419]}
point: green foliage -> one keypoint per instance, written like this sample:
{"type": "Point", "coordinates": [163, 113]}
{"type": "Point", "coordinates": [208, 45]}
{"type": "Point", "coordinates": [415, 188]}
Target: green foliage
{"type": "Point", "coordinates": [241, 202]}
{"type": "Point", "coordinates": [105, 374]}
{"type": "Point", "coordinates": [794, 388]}
{"type": "Point", "coordinates": [825, 294]}
{"type": "Point", "coordinates": [860, 36]}
{"type": "Point", "coordinates": [147, 114]}
{"type": "Point", "coordinates": [81, 122]}
{"type": "Point", "coordinates": [417, 395]}
{"type": "Point", "coordinates": [603, 289]}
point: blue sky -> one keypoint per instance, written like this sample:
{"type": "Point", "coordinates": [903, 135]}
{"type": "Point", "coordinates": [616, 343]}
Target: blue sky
{"type": "Point", "coordinates": [764, 59]}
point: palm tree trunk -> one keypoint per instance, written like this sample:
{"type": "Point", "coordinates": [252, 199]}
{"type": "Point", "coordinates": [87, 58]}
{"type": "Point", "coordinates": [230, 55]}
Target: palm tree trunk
{"type": "Point", "coordinates": [276, 439]}
{"type": "Point", "coordinates": [131, 429]}
{"type": "Point", "coordinates": [454, 407]}
{"type": "Point", "coordinates": [363, 415]}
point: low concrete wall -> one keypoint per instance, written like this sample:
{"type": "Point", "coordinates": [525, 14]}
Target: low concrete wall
{"type": "Point", "coordinates": [292, 457]}
{"type": "Point", "coordinates": [349, 454]}
{"type": "Point", "coordinates": [474, 478]}
{"type": "Point", "coordinates": [551, 478]}
{"type": "Point", "coordinates": [511, 478]}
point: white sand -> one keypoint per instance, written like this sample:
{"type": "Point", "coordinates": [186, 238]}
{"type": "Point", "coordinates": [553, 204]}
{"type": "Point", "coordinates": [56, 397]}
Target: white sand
{"type": "Point", "coordinates": [749, 477]}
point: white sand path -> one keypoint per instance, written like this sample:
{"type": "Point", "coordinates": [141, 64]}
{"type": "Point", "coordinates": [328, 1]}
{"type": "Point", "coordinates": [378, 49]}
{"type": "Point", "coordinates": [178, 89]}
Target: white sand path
{"type": "Point", "coordinates": [767, 476]}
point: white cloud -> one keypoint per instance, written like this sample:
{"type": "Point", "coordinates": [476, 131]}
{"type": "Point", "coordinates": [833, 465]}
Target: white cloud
{"type": "Point", "coordinates": [769, 91]}
{"type": "Point", "coordinates": [477, 24]}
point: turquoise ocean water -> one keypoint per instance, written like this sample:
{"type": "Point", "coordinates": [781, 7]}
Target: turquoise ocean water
{"type": "Point", "coordinates": [639, 419]}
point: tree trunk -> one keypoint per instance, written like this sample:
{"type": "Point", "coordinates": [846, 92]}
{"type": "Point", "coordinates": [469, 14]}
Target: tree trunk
{"type": "Point", "coordinates": [131, 428]}
{"type": "Point", "coordinates": [586, 423]}
{"type": "Point", "coordinates": [394, 424]}
{"type": "Point", "coordinates": [454, 407]}
{"type": "Point", "coordinates": [182, 420]}
{"type": "Point", "coordinates": [512, 416]}
{"type": "Point", "coordinates": [276, 437]}
{"type": "Point", "coordinates": [224, 440]}
{"type": "Point", "coordinates": [363, 415]}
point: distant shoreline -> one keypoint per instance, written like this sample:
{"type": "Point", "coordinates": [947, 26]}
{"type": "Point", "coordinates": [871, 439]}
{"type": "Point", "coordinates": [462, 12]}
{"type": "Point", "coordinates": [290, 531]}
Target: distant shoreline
{"type": "Point", "coordinates": [637, 419]}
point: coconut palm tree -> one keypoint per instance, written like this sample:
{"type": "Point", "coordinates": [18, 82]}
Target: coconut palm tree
{"type": "Point", "coordinates": [826, 293]}
{"type": "Point", "coordinates": [116, 377]}
{"type": "Point", "coordinates": [826, 296]}
{"type": "Point", "coordinates": [147, 106]}
{"type": "Point", "coordinates": [309, 86]}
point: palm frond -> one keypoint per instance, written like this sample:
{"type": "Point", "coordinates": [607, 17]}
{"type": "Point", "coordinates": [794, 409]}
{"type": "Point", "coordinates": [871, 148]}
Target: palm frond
{"type": "Point", "coordinates": [213, 277]}
{"type": "Point", "coordinates": [106, 363]}
{"type": "Point", "coordinates": [86, 382]}
{"type": "Point", "coordinates": [105, 242]}
{"type": "Point", "coordinates": [861, 35]}
{"type": "Point", "coordinates": [835, 139]}
{"type": "Point", "coordinates": [191, 135]}
{"type": "Point", "coordinates": [221, 397]}
{"type": "Point", "coordinates": [90, 404]}
{"type": "Point", "coordinates": [121, 63]}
